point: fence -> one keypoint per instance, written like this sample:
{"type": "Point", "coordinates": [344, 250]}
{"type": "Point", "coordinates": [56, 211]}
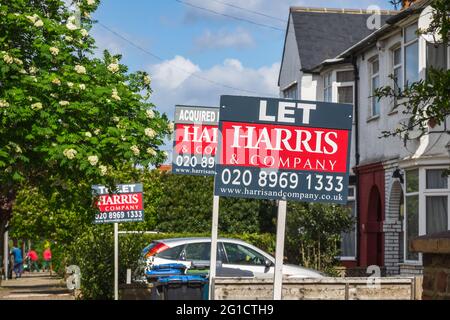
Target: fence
{"type": "Point", "coordinates": [398, 288]}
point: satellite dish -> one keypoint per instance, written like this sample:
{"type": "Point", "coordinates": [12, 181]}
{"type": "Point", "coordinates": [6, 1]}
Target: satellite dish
{"type": "Point", "coordinates": [425, 19]}
{"type": "Point", "coordinates": [411, 133]}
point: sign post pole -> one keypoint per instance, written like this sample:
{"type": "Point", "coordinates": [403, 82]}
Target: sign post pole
{"type": "Point", "coordinates": [214, 232]}
{"type": "Point", "coordinates": [6, 254]}
{"type": "Point", "coordinates": [279, 251]}
{"type": "Point", "coordinates": [116, 261]}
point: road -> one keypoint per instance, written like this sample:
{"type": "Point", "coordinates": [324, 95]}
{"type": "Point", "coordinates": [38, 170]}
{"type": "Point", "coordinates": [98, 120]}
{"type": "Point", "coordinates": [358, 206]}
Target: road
{"type": "Point", "coordinates": [35, 286]}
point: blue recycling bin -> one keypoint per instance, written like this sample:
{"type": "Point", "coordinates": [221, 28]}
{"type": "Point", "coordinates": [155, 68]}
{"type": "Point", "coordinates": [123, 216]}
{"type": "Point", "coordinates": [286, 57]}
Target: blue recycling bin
{"type": "Point", "coordinates": [182, 287]}
{"type": "Point", "coordinates": [171, 269]}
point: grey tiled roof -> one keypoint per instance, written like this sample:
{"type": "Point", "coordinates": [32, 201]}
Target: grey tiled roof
{"type": "Point", "coordinates": [324, 35]}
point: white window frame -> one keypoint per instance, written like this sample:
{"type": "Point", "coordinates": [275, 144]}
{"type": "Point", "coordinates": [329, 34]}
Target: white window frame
{"type": "Point", "coordinates": [344, 84]}
{"type": "Point", "coordinates": [329, 87]}
{"type": "Point", "coordinates": [352, 198]}
{"type": "Point", "coordinates": [372, 76]}
{"type": "Point", "coordinates": [394, 67]}
{"type": "Point", "coordinates": [407, 44]}
{"type": "Point", "coordinates": [405, 220]}
{"type": "Point", "coordinates": [290, 87]}
{"type": "Point", "coordinates": [423, 193]}
{"type": "Point", "coordinates": [436, 193]}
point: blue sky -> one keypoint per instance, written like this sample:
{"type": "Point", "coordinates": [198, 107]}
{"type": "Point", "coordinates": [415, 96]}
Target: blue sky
{"type": "Point", "coordinates": [189, 40]}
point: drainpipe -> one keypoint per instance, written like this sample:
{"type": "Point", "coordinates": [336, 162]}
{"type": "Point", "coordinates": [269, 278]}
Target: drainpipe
{"type": "Point", "coordinates": [357, 155]}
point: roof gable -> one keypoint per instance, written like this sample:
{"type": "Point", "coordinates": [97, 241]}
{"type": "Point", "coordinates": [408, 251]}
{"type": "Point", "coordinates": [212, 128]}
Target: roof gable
{"type": "Point", "coordinates": [324, 34]}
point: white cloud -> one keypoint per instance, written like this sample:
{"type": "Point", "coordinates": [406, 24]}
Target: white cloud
{"type": "Point", "coordinates": [239, 38]}
{"type": "Point", "coordinates": [170, 74]}
{"type": "Point", "coordinates": [172, 86]}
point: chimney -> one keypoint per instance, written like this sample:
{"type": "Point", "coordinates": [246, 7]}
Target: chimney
{"type": "Point", "coordinates": [407, 3]}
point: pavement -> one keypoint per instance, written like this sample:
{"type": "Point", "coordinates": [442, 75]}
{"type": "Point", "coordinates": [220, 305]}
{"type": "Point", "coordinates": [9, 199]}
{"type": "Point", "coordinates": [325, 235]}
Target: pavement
{"type": "Point", "coordinates": [35, 286]}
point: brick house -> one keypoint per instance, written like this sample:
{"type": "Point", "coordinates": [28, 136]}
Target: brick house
{"type": "Point", "coordinates": [396, 189]}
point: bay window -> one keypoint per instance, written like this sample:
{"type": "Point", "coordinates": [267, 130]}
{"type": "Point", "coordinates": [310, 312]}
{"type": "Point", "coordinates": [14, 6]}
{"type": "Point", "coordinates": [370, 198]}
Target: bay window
{"type": "Point", "coordinates": [412, 212]}
{"type": "Point", "coordinates": [426, 205]}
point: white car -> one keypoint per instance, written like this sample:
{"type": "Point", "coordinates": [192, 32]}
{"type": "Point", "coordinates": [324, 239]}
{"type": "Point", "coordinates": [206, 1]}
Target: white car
{"type": "Point", "coordinates": [232, 253]}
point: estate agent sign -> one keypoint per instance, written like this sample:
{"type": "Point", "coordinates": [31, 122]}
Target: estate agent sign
{"type": "Point", "coordinates": [283, 149]}
{"type": "Point", "coordinates": [125, 204]}
{"type": "Point", "coordinates": [195, 143]}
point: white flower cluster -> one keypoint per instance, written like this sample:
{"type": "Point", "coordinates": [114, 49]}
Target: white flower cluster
{"type": "Point", "coordinates": [150, 113]}
{"type": "Point", "coordinates": [64, 103]}
{"type": "Point", "coordinates": [90, 2]}
{"type": "Point", "coordinates": [71, 25]}
{"type": "Point", "coordinates": [36, 106]}
{"type": "Point", "coordinates": [135, 150]}
{"type": "Point", "coordinates": [82, 86]}
{"type": "Point", "coordinates": [33, 70]}
{"type": "Point", "coordinates": [54, 51]}
{"type": "Point", "coordinates": [103, 170]}
{"type": "Point", "coordinates": [93, 160]}
{"type": "Point", "coordinates": [80, 69]}
{"type": "Point", "coordinates": [149, 132]}
{"type": "Point", "coordinates": [115, 95]}
{"type": "Point", "coordinates": [147, 80]}
{"type": "Point", "coordinates": [151, 151]}
{"type": "Point", "coordinates": [36, 20]}
{"type": "Point", "coordinates": [97, 131]}
{"type": "Point", "coordinates": [56, 81]}
{"type": "Point", "coordinates": [3, 103]}
{"type": "Point", "coordinates": [88, 134]}
{"type": "Point", "coordinates": [113, 67]}
{"type": "Point", "coordinates": [84, 33]}
{"type": "Point", "coordinates": [70, 84]}
{"type": "Point", "coordinates": [70, 153]}
{"type": "Point", "coordinates": [170, 126]}
{"type": "Point", "coordinates": [8, 59]}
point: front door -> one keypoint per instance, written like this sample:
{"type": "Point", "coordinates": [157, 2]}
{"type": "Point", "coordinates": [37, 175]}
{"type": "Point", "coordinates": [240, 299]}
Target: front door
{"type": "Point", "coordinates": [374, 229]}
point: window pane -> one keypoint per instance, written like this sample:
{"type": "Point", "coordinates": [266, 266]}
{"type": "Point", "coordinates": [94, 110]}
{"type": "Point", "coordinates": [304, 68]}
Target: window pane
{"type": "Point", "coordinates": [412, 63]}
{"type": "Point", "coordinates": [412, 181]}
{"type": "Point", "coordinates": [397, 56]}
{"type": "Point", "coordinates": [172, 253]}
{"type": "Point", "coordinates": [437, 56]}
{"type": "Point", "coordinates": [412, 224]}
{"type": "Point", "coordinates": [348, 239]}
{"type": "Point", "coordinates": [345, 95]}
{"type": "Point", "coordinates": [238, 254]}
{"type": "Point", "coordinates": [411, 33]}
{"type": "Point", "coordinates": [437, 215]}
{"type": "Point", "coordinates": [398, 79]}
{"type": "Point", "coordinates": [351, 192]}
{"type": "Point", "coordinates": [435, 180]}
{"type": "Point", "coordinates": [375, 67]}
{"type": "Point", "coordinates": [198, 251]}
{"type": "Point", "coordinates": [344, 76]}
{"type": "Point", "coordinates": [375, 101]}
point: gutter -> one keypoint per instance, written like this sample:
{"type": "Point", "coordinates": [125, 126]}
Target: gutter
{"type": "Point", "coordinates": [357, 155]}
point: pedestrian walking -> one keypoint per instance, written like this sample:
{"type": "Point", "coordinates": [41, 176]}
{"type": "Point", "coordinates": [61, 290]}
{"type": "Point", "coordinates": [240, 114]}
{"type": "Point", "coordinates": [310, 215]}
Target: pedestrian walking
{"type": "Point", "coordinates": [47, 265]}
{"type": "Point", "coordinates": [33, 258]}
{"type": "Point", "coordinates": [16, 252]}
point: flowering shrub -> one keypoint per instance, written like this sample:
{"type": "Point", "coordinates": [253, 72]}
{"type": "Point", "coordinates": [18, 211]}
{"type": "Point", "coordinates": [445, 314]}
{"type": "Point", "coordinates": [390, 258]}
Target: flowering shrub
{"type": "Point", "coordinates": [53, 92]}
